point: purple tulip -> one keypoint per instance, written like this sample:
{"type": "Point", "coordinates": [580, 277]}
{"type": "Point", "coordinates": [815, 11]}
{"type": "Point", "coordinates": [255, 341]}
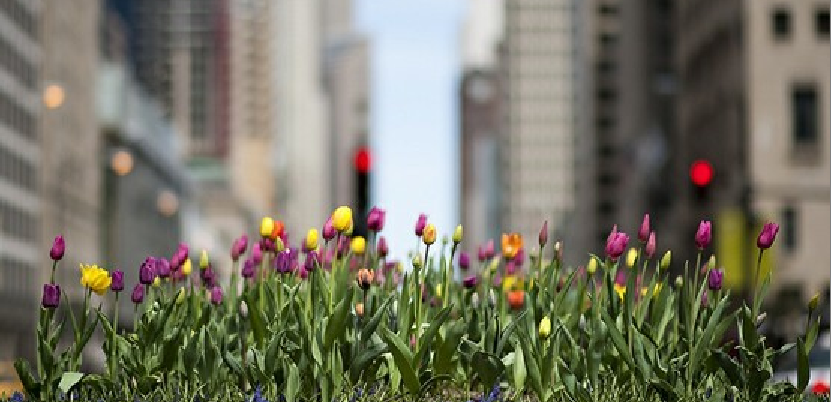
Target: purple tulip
{"type": "Point", "coordinates": [257, 254]}
{"type": "Point", "coordinates": [714, 279]}
{"type": "Point", "coordinates": [382, 248]}
{"type": "Point", "coordinates": [767, 235]}
{"type": "Point", "coordinates": [216, 295]}
{"type": "Point", "coordinates": [138, 294]}
{"type": "Point", "coordinates": [162, 267]}
{"type": "Point", "coordinates": [248, 270]}
{"type": "Point", "coordinates": [511, 268]}
{"type": "Point", "coordinates": [208, 276]}
{"type": "Point", "coordinates": [704, 299]}
{"type": "Point", "coordinates": [329, 231]}
{"type": "Point", "coordinates": [267, 245]}
{"type": "Point", "coordinates": [51, 295]}
{"type": "Point", "coordinates": [238, 248]}
{"type": "Point", "coordinates": [643, 233]}
{"type": "Point", "coordinates": [312, 261]}
{"type": "Point", "coordinates": [497, 280]}
{"type": "Point", "coordinates": [616, 244]}
{"type": "Point", "coordinates": [147, 271]}
{"type": "Point", "coordinates": [58, 248]}
{"type": "Point", "coordinates": [704, 234]}
{"type": "Point", "coordinates": [282, 263]}
{"type": "Point", "coordinates": [117, 284]}
{"type": "Point", "coordinates": [650, 245]}
{"type": "Point", "coordinates": [464, 261]}
{"type": "Point", "coordinates": [519, 258]}
{"type": "Point", "coordinates": [470, 282]}
{"type": "Point", "coordinates": [490, 249]}
{"type": "Point", "coordinates": [182, 251]}
{"type": "Point", "coordinates": [620, 278]}
{"type": "Point", "coordinates": [303, 273]}
{"type": "Point", "coordinates": [375, 220]}
{"type": "Point", "coordinates": [421, 222]}
{"type": "Point", "coordinates": [544, 234]}
{"type": "Point", "coordinates": [480, 254]}
{"type": "Point", "coordinates": [343, 246]}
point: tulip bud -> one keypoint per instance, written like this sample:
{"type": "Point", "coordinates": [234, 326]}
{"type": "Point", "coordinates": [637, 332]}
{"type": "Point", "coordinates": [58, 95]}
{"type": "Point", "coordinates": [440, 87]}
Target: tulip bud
{"type": "Point", "coordinates": [470, 282]}
{"type": "Point", "coordinates": [187, 267]}
{"type": "Point", "coordinates": [117, 284]}
{"type": "Point", "coordinates": [474, 300]}
{"type": "Point", "coordinates": [679, 281]}
{"type": "Point", "coordinates": [359, 309]}
{"type": "Point", "coordinates": [381, 248]}
{"type": "Point", "coordinates": [643, 232]}
{"type": "Point", "coordinates": [631, 257]}
{"type": "Point", "coordinates": [58, 248]}
{"type": "Point", "coordinates": [417, 262]}
{"type": "Point", "coordinates": [138, 294]}
{"type": "Point", "coordinates": [375, 220]}
{"type": "Point", "coordinates": [711, 263]}
{"type": "Point", "coordinates": [591, 267]}
{"type": "Point", "coordinates": [180, 296]}
{"type": "Point", "coordinates": [311, 240]}
{"type": "Point", "coordinates": [279, 245]}
{"type": "Point", "coordinates": [543, 238]}
{"type": "Point", "coordinates": [616, 244]}
{"type": "Point", "coordinates": [666, 260]}
{"type": "Point", "coordinates": [714, 279]}
{"type": "Point", "coordinates": [162, 267]}
{"type": "Point", "coordinates": [266, 226]}
{"type": "Point", "coordinates": [342, 218]}
{"type": "Point", "coordinates": [650, 246]}
{"type": "Point", "coordinates": [157, 282]}
{"type": "Point", "coordinates": [248, 270]}
{"type": "Point", "coordinates": [429, 234]}
{"type": "Point", "coordinates": [457, 234]}
{"type": "Point", "coordinates": [703, 235]}
{"type": "Point", "coordinates": [243, 309]}
{"type": "Point", "coordinates": [767, 236]}
{"type": "Point", "coordinates": [147, 271]}
{"type": "Point", "coordinates": [545, 328]}
{"type": "Point", "coordinates": [51, 295]}
{"type": "Point", "coordinates": [216, 295]}
{"type": "Point", "coordinates": [365, 278]}
{"type": "Point", "coordinates": [358, 245]}
{"type": "Point", "coordinates": [558, 250]}
{"type": "Point", "coordinates": [421, 222]}
{"type": "Point", "coordinates": [464, 261]}
{"type": "Point", "coordinates": [238, 248]}
{"type": "Point", "coordinates": [203, 260]}
{"type": "Point", "coordinates": [438, 291]}
{"type": "Point", "coordinates": [705, 299]}
{"type": "Point", "coordinates": [491, 298]}
{"type": "Point", "coordinates": [812, 305]}
{"type": "Point", "coordinates": [329, 231]}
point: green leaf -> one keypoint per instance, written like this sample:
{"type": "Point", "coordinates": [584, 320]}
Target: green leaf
{"type": "Point", "coordinates": [519, 368]}
{"type": "Point", "coordinates": [372, 324]}
{"type": "Point", "coordinates": [802, 372]}
{"type": "Point", "coordinates": [337, 322]}
{"type": "Point", "coordinates": [292, 383]}
{"type": "Point", "coordinates": [24, 373]}
{"type": "Point", "coordinates": [506, 334]}
{"type": "Point", "coordinates": [531, 366]}
{"type": "Point", "coordinates": [811, 335]}
{"type": "Point", "coordinates": [617, 339]}
{"type": "Point", "coordinates": [364, 358]}
{"type": "Point", "coordinates": [442, 361]}
{"type": "Point", "coordinates": [403, 360]}
{"type": "Point", "coordinates": [705, 340]}
{"type": "Point", "coordinates": [68, 380]}
{"type": "Point", "coordinates": [488, 367]}
{"type": "Point", "coordinates": [427, 336]}
{"type": "Point", "coordinates": [255, 316]}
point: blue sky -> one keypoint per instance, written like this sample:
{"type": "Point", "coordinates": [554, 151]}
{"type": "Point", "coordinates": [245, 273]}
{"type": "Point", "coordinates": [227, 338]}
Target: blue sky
{"type": "Point", "coordinates": [414, 135]}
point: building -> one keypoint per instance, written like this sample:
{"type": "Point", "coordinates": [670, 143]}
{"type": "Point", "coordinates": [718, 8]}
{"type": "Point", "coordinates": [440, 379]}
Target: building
{"type": "Point", "coordinates": [482, 120]}
{"type": "Point", "coordinates": [786, 48]}
{"type": "Point", "coordinates": [345, 67]}
{"type": "Point", "coordinates": [543, 145]}
{"type": "Point", "coordinates": [21, 206]}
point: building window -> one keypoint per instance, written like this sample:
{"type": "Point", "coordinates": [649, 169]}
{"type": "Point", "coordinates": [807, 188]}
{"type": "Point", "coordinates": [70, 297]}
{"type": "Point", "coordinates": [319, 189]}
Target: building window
{"type": "Point", "coordinates": [822, 21]}
{"type": "Point", "coordinates": [781, 20]}
{"type": "Point", "coordinates": [789, 227]}
{"type": "Point", "coordinates": [805, 115]}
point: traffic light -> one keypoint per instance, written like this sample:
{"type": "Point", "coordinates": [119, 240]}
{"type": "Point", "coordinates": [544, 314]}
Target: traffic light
{"type": "Point", "coordinates": [362, 166]}
{"type": "Point", "coordinates": [701, 176]}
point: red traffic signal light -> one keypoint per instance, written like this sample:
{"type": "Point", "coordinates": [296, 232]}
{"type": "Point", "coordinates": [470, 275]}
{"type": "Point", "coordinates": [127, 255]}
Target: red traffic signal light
{"type": "Point", "coordinates": [362, 160]}
{"type": "Point", "coordinates": [701, 173]}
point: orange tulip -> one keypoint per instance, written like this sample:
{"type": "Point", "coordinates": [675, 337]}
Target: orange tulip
{"type": "Point", "coordinates": [279, 227]}
{"type": "Point", "coordinates": [516, 299]}
{"type": "Point", "coordinates": [511, 243]}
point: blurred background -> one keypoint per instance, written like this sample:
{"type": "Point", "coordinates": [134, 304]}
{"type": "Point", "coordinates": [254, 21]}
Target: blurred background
{"type": "Point", "coordinates": [129, 126]}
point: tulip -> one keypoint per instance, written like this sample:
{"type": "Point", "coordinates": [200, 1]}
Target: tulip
{"type": "Point", "coordinates": [51, 295]}
{"type": "Point", "coordinates": [429, 234]}
{"type": "Point", "coordinates": [375, 220]}
{"type": "Point", "coordinates": [421, 222]}
{"type": "Point", "coordinates": [704, 299]}
{"type": "Point", "coordinates": [591, 267]}
{"type": "Point", "coordinates": [203, 260]}
{"type": "Point", "coordinates": [311, 240]}
{"type": "Point", "coordinates": [545, 327]}
{"type": "Point", "coordinates": [138, 294]}
{"type": "Point", "coordinates": [490, 249]}
{"type": "Point", "coordinates": [157, 282]}
{"type": "Point", "coordinates": [117, 284]}
{"type": "Point", "coordinates": [96, 279]}
{"type": "Point", "coordinates": [278, 231]}
{"type": "Point", "coordinates": [312, 261]}
{"type": "Point", "coordinates": [714, 279]}
{"type": "Point", "coordinates": [457, 234]}
{"type": "Point", "coordinates": [216, 295]}
{"type": "Point", "coordinates": [470, 282]}
{"type": "Point", "coordinates": [238, 248]}
{"type": "Point", "coordinates": [767, 236]}
{"type": "Point", "coordinates": [162, 267]}
{"type": "Point", "coordinates": [510, 268]}
{"type": "Point", "coordinates": [248, 270]}
{"type": "Point", "coordinates": [543, 240]}
{"type": "Point", "coordinates": [365, 278]}
{"type": "Point", "coordinates": [58, 248]}
{"type": "Point", "coordinates": [266, 226]}
{"type": "Point", "coordinates": [631, 257]}
{"type": "Point", "coordinates": [342, 218]}
{"type": "Point", "coordinates": [359, 309]}
{"type": "Point", "coordinates": [180, 296]}
{"type": "Point", "coordinates": [187, 267]}
{"type": "Point", "coordinates": [329, 231]}
{"type": "Point", "coordinates": [303, 273]}
{"type": "Point", "coordinates": [257, 253]}
{"type": "Point", "coordinates": [516, 299]}
{"type": "Point", "coordinates": [650, 245]}
{"type": "Point", "coordinates": [358, 245]}
{"type": "Point", "coordinates": [381, 248]}
{"type": "Point", "coordinates": [679, 281]}
{"type": "Point", "coordinates": [616, 244]}
{"type": "Point", "coordinates": [666, 260]}
{"type": "Point", "coordinates": [519, 258]}
{"type": "Point", "coordinates": [282, 263]}
{"type": "Point", "coordinates": [147, 271]}
{"type": "Point", "coordinates": [704, 234]}
{"type": "Point", "coordinates": [643, 233]}
{"type": "Point", "coordinates": [464, 261]}
{"type": "Point", "coordinates": [480, 254]}
{"type": "Point", "coordinates": [511, 243]}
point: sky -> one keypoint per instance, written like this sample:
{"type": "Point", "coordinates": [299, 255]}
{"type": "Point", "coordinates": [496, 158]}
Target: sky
{"type": "Point", "coordinates": [415, 71]}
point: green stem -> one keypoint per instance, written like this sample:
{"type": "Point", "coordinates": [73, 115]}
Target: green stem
{"type": "Point", "coordinates": [113, 346]}
{"type": "Point", "coordinates": [52, 276]}
{"type": "Point", "coordinates": [756, 295]}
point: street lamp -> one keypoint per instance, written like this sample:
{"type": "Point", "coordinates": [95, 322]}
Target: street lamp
{"type": "Point", "coordinates": [53, 96]}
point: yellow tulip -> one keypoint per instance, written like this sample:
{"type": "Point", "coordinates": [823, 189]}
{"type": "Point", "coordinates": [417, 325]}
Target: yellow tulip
{"type": "Point", "coordinates": [187, 267]}
{"type": "Point", "coordinates": [631, 257]}
{"type": "Point", "coordinates": [358, 245]}
{"type": "Point", "coordinates": [429, 235]}
{"type": "Point", "coordinates": [311, 239]}
{"type": "Point", "coordinates": [457, 234]}
{"type": "Point", "coordinates": [545, 327]}
{"type": "Point", "coordinates": [666, 259]}
{"type": "Point", "coordinates": [203, 260]}
{"type": "Point", "coordinates": [620, 290]}
{"type": "Point", "coordinates": [511, 282]}
{"type": "Point", "coordinates": [812, 305]}
{"type": "Point", "coordinates": [266, 226]}
{"type": "Point", "coordinates": [591, 267]}
{"type": "Point", "coordinates": [655, 291]}
{"type": "Point", "coordinates": [438, 290]}
{"type": "Point", "coordinates": [96, 279]}
{"type": "Point", "coordinates": [157, 282]}
{"type": "Point", "coordinates": [342, 218]}
{"type": "Point", "coordinates": [180, 296]}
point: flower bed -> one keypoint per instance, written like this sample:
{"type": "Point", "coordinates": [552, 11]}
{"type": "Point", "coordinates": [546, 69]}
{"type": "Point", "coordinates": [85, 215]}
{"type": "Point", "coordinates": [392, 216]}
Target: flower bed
{"type": "Point", "coordinates": [334, 320]}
